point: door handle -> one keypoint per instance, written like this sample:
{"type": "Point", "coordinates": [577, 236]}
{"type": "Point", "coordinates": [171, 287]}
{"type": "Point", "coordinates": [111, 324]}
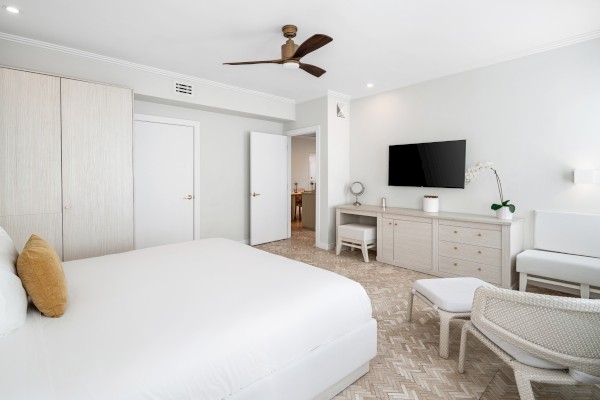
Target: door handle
{"type": "Point", "coordinates": [254, 194]}
{"type": "Point", "coordinates": [188, 197]}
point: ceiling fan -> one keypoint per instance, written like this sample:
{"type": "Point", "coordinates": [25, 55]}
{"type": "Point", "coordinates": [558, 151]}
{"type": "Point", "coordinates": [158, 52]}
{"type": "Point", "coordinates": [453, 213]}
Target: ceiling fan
{"type": "Point", "coordinates": [291, 53]}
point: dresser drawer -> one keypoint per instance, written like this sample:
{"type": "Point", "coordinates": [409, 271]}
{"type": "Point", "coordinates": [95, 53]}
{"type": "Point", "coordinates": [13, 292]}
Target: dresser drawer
{"type": "Point", "coordinates": [488, 273]}
{"type": "Point", "coordinates": [478, 254]}
{"type": "Point", "coordinates": [479, 237]}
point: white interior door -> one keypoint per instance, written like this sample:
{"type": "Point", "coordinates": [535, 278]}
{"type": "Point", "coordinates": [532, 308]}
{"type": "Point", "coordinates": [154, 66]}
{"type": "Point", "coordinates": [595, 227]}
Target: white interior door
{"type": "Point", "coordinates": [269, 191]}
{"type": "Point", "coordinates": [163, 160]}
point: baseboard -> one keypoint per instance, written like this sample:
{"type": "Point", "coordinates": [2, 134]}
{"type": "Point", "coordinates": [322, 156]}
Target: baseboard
{"type": "Point", "coordinates": [326, 246]}
{"type": "Point", "coordinates": [245, 241]}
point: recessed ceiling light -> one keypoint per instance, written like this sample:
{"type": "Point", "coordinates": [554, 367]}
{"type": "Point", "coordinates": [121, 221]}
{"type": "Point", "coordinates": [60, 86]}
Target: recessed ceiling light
{"type": "Point", "coordinates": [369, 85]}
{"type": "Point", "coordinates": [12, 9]}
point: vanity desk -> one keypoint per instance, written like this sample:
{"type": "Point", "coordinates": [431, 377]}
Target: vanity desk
{"type": "Point", "coordinates": [443, 244]}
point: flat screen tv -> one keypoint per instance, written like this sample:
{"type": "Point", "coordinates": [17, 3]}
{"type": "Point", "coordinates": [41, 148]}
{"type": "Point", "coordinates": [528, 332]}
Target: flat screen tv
{"type": "Point", "coordinates": [435, 164]}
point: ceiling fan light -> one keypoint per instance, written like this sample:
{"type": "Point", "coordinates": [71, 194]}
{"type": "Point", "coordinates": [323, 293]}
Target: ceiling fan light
{"type": "Point", "coordinates": [291, 65]}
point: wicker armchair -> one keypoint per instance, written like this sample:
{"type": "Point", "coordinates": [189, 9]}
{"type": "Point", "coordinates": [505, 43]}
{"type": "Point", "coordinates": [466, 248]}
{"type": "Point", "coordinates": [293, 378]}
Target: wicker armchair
{"type": "Point", "coordinates": [558, 330]}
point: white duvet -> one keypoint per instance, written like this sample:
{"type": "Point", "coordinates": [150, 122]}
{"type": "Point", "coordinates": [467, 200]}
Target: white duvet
{"type": "Point", "coordinates": [196, 320]}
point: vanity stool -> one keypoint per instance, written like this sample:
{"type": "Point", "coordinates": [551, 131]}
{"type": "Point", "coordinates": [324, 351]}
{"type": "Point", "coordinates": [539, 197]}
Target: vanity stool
{"type": "Point", "coordinates": [356, 236]}
{"type": "Point", "coordinates": [450, 297]}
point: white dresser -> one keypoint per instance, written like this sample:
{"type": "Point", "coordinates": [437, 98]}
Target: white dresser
{"type": "Point", "coordinates": [443, 244]}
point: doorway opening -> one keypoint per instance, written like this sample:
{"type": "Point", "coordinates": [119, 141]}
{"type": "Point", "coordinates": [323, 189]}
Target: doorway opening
{"type": "Point", "coordinates": [304, 183]}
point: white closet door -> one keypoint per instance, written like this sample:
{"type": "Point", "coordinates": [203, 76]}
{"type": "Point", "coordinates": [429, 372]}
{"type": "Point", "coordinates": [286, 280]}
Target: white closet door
{"type": "Point", "coordinates": [97, 169]}
{"type": "Point", "coordinates": [163, 170]}
{"type": "Point", "coordinates": [30, 156]}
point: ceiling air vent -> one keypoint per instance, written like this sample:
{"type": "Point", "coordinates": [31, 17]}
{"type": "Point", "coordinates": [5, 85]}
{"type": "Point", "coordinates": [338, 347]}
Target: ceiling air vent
{"type": "Point", "coordinates": [184, 89]}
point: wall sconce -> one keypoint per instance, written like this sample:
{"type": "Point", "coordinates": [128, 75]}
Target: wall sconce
{"type": "Point", "coordinates": [586, 176]}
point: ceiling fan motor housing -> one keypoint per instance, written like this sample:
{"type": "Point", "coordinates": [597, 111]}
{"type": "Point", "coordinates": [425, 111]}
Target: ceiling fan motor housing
{"type": "Point", "coordinates": [288, 49]}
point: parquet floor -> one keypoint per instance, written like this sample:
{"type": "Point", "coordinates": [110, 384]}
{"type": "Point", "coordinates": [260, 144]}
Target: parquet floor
{"type": "Point", "coordinates": [407, 365]}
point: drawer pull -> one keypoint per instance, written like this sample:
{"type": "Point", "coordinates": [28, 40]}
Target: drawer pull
{"type": "Point", "coordinates": [389, 223]}
{"type": "Point", "coordinates": [479, 252]}
{"type": "Point", "coordinates": [396, 224]}
{"type": "Point", "coordinates": [456, 264]}
{"type": "Point", "coordinates": [455, 248]}
{"type": "Point", "coordinates": [479, 269]}
{"type": "Point", "coordinates": [479, 234]}
{"type": "Point", "coordinates": [455, 231]}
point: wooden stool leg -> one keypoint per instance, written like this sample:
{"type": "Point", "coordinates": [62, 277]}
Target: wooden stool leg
{"type": "Point", "coordinates": [585, 291]}
{"type": "Point", "coordinates": [411, 299]}
{"type": "Point", "coordinates": [365, 251]}
{"type": "Point", "coordinates": [338, 246]}
{"type": "Point", "coordinates": [522, 282]}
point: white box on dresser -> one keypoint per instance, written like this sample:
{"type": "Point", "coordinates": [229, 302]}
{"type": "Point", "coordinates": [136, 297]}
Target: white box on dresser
{"type": "Point", "coordinates": [444, 244]}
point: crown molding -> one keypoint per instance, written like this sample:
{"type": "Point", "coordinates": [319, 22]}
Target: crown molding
{"type": "Point", "coordinates": [136, 66]}
{"type": "Point", "coordinates": [497, 60]}
{"type": "Point", "coordinates": [539, 49]}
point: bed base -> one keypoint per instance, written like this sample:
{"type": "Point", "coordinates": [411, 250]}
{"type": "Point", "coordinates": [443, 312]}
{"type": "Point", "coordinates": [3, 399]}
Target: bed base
{"type": "Point", "coordinates": [320, 374]}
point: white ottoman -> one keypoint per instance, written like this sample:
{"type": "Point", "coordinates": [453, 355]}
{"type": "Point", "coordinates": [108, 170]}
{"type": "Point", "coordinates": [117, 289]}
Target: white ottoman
{"type": "Point", "coordinates": [356, 236]}
{"type": "Point", "coordinates": [450, 297]}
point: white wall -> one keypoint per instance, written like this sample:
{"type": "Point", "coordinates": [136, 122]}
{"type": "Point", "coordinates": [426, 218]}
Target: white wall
{"type": "Point", "coordinates": [224, 167]}
{"type": "Point", "coordinates": [147, 82]}
{"type": "Point", "coordinates": [537, 118]}
{"type": "Point", "coordinates": [302, 146]}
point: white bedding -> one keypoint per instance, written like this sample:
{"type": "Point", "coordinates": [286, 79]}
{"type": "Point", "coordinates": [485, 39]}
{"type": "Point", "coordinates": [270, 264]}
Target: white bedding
{"type": "Point", "coordinates": [196, 320]}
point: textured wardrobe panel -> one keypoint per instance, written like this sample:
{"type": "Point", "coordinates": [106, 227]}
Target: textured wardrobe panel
{"type": "Point", "coordinates": [30, 149]}
{"type": "Point", "coordinates": [47, 226]}
{"type": "Point", "coordinates": [97, 169]}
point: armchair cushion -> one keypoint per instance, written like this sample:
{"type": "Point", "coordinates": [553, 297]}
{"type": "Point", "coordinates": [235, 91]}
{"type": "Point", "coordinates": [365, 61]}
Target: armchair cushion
{"type": "Point", "coordinates": [520, 355]}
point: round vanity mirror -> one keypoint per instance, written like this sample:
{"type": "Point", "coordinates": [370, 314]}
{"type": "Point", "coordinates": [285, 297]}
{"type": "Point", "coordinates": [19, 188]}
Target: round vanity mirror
{"type": "Point", "coordinates": [357, 188]}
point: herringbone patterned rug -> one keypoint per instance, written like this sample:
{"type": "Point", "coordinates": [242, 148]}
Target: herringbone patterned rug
{"type": "Point", "coordinates": [407, 365]}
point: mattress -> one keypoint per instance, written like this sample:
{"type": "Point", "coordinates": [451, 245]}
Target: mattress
{"type": "Point", "coordinates": [195, 320]}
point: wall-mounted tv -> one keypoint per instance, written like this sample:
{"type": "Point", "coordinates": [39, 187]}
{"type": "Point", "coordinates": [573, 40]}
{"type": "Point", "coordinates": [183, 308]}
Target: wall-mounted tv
{"type": "Point", "coordinates": [435, 164]}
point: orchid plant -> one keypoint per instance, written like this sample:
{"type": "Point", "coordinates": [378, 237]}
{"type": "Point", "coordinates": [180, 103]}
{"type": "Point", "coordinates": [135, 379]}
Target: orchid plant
{"type": "Point", "coordinates": [474, 171]}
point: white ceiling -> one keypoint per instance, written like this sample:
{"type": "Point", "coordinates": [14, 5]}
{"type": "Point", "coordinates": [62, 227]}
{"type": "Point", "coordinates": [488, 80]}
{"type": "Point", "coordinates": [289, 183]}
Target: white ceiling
{"type": "Point", "coordinates": [390, 43]}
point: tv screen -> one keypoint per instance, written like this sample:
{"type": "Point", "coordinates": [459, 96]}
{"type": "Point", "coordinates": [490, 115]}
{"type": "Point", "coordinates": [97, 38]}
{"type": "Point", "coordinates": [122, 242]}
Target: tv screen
{"type": "Point", "coordinates": [436, 164]}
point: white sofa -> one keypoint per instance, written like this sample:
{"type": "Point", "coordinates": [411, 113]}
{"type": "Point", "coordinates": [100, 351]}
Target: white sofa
{"type": "Point", "coordinates": [567, 252]}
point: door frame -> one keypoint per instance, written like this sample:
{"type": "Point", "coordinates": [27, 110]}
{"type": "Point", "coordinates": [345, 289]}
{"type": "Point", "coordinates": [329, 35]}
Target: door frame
{"type": "Point", "coordinates": [316, 129]}
{"type": "Point", "coordinates": [196, 126]}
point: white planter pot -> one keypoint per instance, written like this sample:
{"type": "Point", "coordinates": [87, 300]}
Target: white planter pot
{"type": "Point", "coordinates": [431, 204]}
{"type": "Point", "coordinates": [504, 213]}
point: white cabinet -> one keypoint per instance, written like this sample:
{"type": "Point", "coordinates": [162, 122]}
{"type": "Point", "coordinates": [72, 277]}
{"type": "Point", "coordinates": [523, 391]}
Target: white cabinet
{"type": "Point", "coordinates": [30, 156]}
{"type": "Point", "coordinates": [65, 163]}
{"type": "Point", "coordinates": [387, 238]}
{"type": "Point", "coordinates": [97, 170]}
{"type": "Point", "coordinates": [413, 243]}
{"type": "Point", "coordinates": [444, 244]}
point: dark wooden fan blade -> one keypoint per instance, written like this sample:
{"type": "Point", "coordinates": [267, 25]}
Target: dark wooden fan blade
{"type": "Point", "coordinates": [280, 61]}
{"type": "Point", "coordinates": [311, 44]}
{"type": "Point", "coordinates": [312, 69]}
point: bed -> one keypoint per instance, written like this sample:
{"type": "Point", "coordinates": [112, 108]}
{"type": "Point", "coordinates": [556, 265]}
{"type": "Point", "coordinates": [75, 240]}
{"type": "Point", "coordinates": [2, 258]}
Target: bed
{"type": "Point", "coordinates": [209, 319]}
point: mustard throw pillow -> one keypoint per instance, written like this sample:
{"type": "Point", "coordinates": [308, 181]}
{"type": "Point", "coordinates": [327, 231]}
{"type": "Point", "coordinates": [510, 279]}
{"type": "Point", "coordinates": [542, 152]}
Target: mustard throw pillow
{"type": "Point", "coordinates": [43, 277]}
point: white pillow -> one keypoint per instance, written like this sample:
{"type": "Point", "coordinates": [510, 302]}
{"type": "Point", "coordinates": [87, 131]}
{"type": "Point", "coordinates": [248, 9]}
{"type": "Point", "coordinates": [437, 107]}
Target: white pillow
{"type": "Point", "coordinates": [13, 298]}
{"type": "Point", "coordinates": [8, 253]}
{"type": "Point", "coordinates": [13, 303]}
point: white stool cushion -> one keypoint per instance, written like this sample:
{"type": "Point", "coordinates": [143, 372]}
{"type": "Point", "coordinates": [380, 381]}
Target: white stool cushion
{"type": "Point", "coordinates": [449, 294]}
{"type": "Point", "coordinates": [567, 267]}
{"type": "Point", "coordinates": [358, 232]}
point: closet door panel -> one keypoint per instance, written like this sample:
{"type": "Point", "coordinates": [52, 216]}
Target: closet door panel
{"type": "Point", "coordinates": [30, 158]}
{"type": "Point", "coordinates": [97, 169]}
{"type": "Point", "coordinates": [47, 226]}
